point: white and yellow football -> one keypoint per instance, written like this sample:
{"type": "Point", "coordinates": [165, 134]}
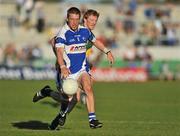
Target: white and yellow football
{"type": "Point", "coordinates": [70, 86]}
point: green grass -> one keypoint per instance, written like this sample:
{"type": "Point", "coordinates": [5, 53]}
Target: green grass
{"type": "Point", "coordinates": [126, 109]}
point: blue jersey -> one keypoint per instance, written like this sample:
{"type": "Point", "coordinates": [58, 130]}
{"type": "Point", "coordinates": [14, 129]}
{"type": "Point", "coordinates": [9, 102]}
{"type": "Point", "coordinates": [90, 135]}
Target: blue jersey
{"type": "Point", "coordinates": [74, 44]}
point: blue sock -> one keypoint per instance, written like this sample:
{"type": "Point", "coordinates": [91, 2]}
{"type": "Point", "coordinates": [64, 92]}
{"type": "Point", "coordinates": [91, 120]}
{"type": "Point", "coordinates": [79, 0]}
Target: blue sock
{"type": "Point", "coordinates": [92, 116]}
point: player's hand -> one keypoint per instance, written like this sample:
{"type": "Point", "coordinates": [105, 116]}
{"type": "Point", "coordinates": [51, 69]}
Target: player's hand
{"type": "Point", "coordinates": [65, 72]}
{"type": "Point", "coordinates": [110, 58]}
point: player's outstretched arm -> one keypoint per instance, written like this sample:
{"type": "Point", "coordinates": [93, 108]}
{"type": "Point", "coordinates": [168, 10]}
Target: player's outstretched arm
{"type": "Point", "coordinates": [101, 47]}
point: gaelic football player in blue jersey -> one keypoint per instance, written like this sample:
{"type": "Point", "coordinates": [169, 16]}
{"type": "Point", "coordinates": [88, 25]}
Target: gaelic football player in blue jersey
{"type": "Point", "coordinates": [70, 46]}
{"type": "Point", "coordinates": [71, 55]}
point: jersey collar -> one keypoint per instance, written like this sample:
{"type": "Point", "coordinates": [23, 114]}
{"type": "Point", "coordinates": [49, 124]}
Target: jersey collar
{"type": "Point", "coordinates": [68, 28]}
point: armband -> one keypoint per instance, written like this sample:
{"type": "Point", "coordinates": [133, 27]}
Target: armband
{"type": "Point", "coordinates": [106, 51]}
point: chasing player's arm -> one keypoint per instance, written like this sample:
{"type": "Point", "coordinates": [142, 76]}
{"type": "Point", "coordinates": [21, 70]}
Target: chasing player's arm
{"type": "Point", "coordinates": [52, 42]}
{"type": "Point", "coordinates": [107, 51]}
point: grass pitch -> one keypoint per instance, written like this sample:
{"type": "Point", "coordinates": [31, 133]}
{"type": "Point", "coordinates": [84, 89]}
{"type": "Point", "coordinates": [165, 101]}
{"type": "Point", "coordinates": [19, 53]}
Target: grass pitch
{"type": "Point", "coordinates": [126, 109]}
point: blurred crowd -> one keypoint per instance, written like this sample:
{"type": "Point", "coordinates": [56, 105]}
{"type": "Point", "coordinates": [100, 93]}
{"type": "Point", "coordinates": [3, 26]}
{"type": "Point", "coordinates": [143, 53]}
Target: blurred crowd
{"type": "Point", "coordinates": [24, 9]}
{"type": "Point", "coordinates": [158, 28]}
{"type": "Point", "coordinates": [124, 30]}
{"type": "Point", "coordinates": [12, 56]}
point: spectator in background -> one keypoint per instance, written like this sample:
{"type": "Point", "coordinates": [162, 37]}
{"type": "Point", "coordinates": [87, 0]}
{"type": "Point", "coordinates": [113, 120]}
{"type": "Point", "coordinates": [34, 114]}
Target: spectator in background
{"type": "Point", "coordinates": [27, 55]}
{"type": "Point", "coordinates": [112, 41]}
{"type": "Point", "coordinates": [10, 55]}
{"type": "Point", "coordinates": [118, 26]}
{"type": "Point", "coordinates": [143, 54]}
{"type": "Point", "coordinates": [118, 4]}
{"type": "Point", "coordinates": [129, 24]}
{"type": "Point", "coordinates": [109, 24]}
{"type": "Point", "coordinates": [36, 52]}
{"type": "Point", "coordinates": [130, 53]}
{"type": "Point", "coordinates": [149, 11]}
{"type": "Point", "coordinates": [168, 9]}
{"type": "Point", "coordinates": [27, 9]}
{"type": "Point", "coordinates": [12, 22]}
{"type": "Point", "coordinates": [168, 35]}
{"type": "Point", "coordinates": [145, 57]}
{"type": "Point", "coordinates": [23, 56]}
{"type": "Point", "coordinates": [147, 35]}
{"type": "Point", "coordinates": [166, 73]}
{"type": "Point", "coordinates": [40, 16]}
{"type": "Point", "coordinates": [19, 5]}
{"type": "Point", "coordinates": [130, 56]}
{"type": "Point", "coordinates": [132, 7]}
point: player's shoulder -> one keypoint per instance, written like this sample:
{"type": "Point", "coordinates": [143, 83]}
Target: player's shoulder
{"type": "Point", "coordinates": [81, 27]}
{"type": "Point", "coordinates": [62, 31]}
{"type": "Point", "coordinates": [65, 28]}
{"type": "Point", "coordinates": [84, 29]}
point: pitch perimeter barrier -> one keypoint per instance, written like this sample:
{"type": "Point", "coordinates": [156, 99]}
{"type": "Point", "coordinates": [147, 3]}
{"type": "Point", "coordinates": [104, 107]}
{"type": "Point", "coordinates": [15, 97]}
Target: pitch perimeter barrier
{"type": "Point", "coordinates": [98, 74]}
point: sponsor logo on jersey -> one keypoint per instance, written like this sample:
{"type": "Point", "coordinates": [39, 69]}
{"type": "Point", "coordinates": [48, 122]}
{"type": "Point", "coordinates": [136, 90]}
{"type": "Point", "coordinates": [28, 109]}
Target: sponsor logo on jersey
{"type": "Point", "coordinates": [77, 48]}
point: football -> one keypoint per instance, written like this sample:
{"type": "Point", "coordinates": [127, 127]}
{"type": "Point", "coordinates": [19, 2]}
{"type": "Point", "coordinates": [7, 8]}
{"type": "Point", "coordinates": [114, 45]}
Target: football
{"type": "Point", "coordinates": [70, 86]}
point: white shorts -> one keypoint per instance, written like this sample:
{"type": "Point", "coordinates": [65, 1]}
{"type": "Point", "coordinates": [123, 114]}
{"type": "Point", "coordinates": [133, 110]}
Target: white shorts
{"type": "Point", "coordinates": [76, 76]}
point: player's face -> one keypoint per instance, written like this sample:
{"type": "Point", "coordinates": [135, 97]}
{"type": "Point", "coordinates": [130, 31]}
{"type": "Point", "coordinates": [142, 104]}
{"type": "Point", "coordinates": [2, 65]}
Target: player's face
{"type": "Point", "coordinates": [73, 21]}
{"type": "Point", "coordinates": [90, 22]}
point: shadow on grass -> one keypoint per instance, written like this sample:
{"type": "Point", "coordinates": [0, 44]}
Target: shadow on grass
{"type": "Point", "coordinates": [32, 124]}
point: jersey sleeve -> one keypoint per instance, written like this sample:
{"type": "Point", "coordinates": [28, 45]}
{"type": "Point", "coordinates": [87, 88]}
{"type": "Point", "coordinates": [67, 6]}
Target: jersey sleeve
{"type": "Point", "coordinates": [92, 37]}
{"type": "Point", "coordinates": [89, 45]}
{"type": "Point", "coordinates": [60, 39]}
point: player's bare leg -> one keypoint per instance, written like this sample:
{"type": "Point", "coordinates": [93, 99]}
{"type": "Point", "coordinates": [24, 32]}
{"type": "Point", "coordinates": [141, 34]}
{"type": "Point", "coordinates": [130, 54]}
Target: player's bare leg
{"type": "Point", "coordinates": [87, 86]}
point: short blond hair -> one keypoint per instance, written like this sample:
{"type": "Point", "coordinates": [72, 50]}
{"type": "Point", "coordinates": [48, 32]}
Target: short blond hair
{"type": "Point", "coordinates": [90, 12]}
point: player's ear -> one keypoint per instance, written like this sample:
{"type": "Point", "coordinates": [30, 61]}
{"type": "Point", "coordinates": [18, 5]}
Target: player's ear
{"type": "Point", "coordinates": [84, 20]}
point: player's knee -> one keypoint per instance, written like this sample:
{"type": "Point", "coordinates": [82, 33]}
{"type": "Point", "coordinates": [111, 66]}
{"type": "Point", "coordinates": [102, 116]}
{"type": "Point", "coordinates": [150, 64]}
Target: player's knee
{"type": "Point", "coordinates": [88, 89]}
